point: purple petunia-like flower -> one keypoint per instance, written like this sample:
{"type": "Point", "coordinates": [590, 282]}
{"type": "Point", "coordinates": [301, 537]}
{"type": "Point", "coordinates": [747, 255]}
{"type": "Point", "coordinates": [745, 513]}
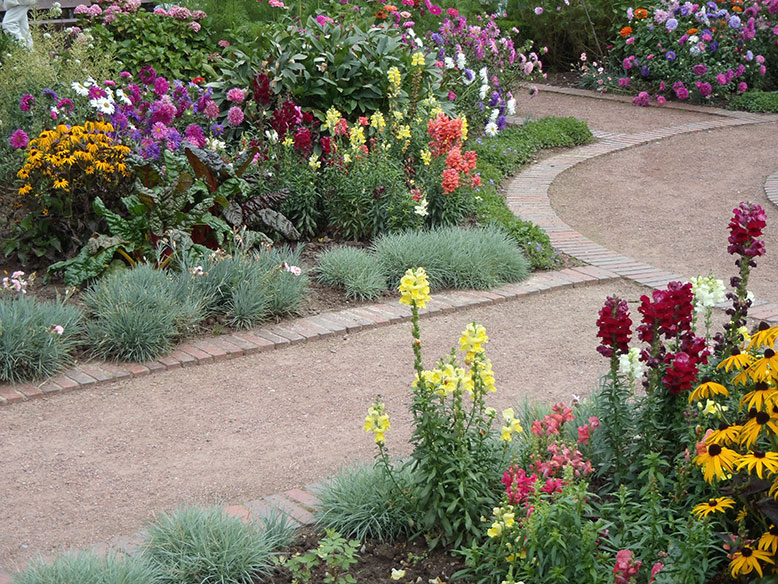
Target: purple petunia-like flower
{"type": "Point", "coordinates": [538, 10]}
{"type": "Point", "coordinates": [670, 55]}
{"type": "Point", "coordinates": [671, 24]}
{"type": "Point", "coordinates": [19, 139]}
{"type": "Point", "coordinates": [51, 93]}
{"type": "Point", "coordinates": [235, 116]}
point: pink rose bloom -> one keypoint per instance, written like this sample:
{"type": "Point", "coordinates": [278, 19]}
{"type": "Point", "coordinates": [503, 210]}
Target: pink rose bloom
{"type": "Point", "coordinates": [630, 40]}
{"type": "Point", "coordinates": [742, 87]}
{"type": "Point", "coordinates": [660, 99]}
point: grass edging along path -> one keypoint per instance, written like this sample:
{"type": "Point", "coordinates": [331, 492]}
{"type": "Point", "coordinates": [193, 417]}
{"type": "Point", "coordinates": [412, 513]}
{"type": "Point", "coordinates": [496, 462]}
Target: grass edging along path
{"type": "Point", "coordinates": [310, 328]}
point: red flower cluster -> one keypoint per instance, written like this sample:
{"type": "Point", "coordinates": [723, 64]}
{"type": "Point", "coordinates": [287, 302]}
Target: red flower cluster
{"type": "Point", "coordinates": [262, 89]}
{"type": "Point", "coordinates": [457, 165]}
{"type": "Point", "coordinates": [744, 228]}
{"type": "Point", "coordinates": [670, 310]}
{"type": "Point", "coordinates": [286, 118]}
{"type": "Point", "coordinates": [626, 567]}
{"type": "Point", "coordinates": [445, 133]}
{"type": "Point", "coordinates": [614, 327]}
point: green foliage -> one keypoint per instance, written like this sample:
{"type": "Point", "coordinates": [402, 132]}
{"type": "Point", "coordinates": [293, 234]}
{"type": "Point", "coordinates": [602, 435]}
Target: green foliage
{"type": "Point", "coordinates": [755, 101]}
{"type": "Point", "coordinates": [368, 198]}
{"type": "Point", "coordinates": [304, 205]}
{"type": "Point", "coordinates": [30, 347]}
{"type": "Point", "coordinates": [354, 270]}
{"type": "Point", "coordinates": [479, 258]}
{"type": "Point", "coordinates": [88, 568]}
{"type": "Point", "coordinates": [137, 314]}
{"type": "Point", "coordinates": [362, 503]}
{"type": "Point", "coordinates": [138, 39]}
{"type": "Point", "coordinates": [335, 555]}
{"type": "Point", "coordinates": [206, 546]}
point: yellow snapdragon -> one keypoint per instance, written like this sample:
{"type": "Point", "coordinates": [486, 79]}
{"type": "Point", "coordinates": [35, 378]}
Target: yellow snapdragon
{"type": "Point", "coordinates": [417, 60]}
{"type": "Point", "coordinates": [472, 340]}
{"type": "Point", "coordinates": [415, 288]}
{"type": "Point", "coordinates": [377, 422]}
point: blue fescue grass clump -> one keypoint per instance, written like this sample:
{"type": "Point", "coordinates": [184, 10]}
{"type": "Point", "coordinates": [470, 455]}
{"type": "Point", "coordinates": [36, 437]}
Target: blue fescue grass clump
{"type": "Point", "coordinates": [88, 568]}
{"type": "Point", "coordinates": [206, 546]}
{"type": "Point", "coordinates": [32, 344]}
{"type": "Point", "coordinates": [355, 270]}
{"type": "Point", "coordinates": [362, 502]}
{"type": "Point", "coordinates": [453, 257]}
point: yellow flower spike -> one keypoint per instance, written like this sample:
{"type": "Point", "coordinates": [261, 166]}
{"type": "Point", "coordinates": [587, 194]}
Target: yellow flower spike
{"type": "Point", "coordinates": [395, 77]}
{"type": "Point", "coordinates": [414, 288]}
{"type": "Point", "coordinates": [378, 121]}
{"type": "Point", "coordinates": [417, 60]}
{"type": "Point", "coordinates": [495, 530]}
{"type": "Point", "coordinates": [707, 389]}
{"type": "Point", "coordinates": [747, 559]}
{"type": "Point", "coordinates": [472, 340]}
{"type": "Point", "coordinates": [758, 461]}
{"type": "Point", "coordinates": [426, 157]}
{"type": "Point", "coordinates": [717, 461]}
{"type": "Point", "coordinates": [718, 505]}
{"type": "Point", "coordinates": [377, 422]}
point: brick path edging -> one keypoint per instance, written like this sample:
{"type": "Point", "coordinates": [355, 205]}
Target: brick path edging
{"type": "Point", "coordinates": [527, 196]}
{"type": "Point", "coordinates": [771, 188]}
{"type": "Point", "coordinates": [290, 332]}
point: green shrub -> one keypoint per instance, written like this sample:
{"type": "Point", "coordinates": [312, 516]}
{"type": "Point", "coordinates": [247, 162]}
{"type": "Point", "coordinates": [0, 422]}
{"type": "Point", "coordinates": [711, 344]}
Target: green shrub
{"type": "Point", "coordinates": [206, 546]}
{"type": "Point", "coordinates": [30, 347]}
{"type": "Point", "coordinates": [361, 502]}
{"type": "Point", "coordinates": [88, 568]}
{"type": "Point", "coordinates": [137, 314]}
{"type": "Point", "coordinates": [354, 270]}
{"type": "Point", "coordinates": [755, 101]}
{"type": "Point", "coordinates": [285, 290]}
{"type": "Point", "coordinates": [453, 257]}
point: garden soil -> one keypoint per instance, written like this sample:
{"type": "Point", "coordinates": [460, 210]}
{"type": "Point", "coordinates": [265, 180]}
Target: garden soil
{"type": "Point", "coordinates": [86, 466]}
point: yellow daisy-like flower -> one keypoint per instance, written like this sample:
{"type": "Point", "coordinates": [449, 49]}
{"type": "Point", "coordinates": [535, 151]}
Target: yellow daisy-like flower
{"type": "Point", "coordinates": [764, 337]}
{"type": "Point", "coordinates": [758, 461]}
{"type": "Point", "coordinates": [716, 461]}
{"type": "Point", "coordinates": [752, 428]}
{"type": "Point", "coordinates": [762, 396]}
{"type": "Point", "coordinates": [24, 189]}
{"type": "Point", "coordinates": [736, 360]}
{"type": "Point", "coordinates": [415, 288]}
{"type": "Point", "coordinates": [61, 184]}
{"type": "Point", "coordinates": [769, 540]}
{"type": "Point", "coordinates": [765, 367]}
{"type": "Point", "coordinates": [747, 559]}
{"type": "Point", "coordinates": [707, 389]}
{"type": "Point", "coordinates": [742, 514]}
{"type": "Point", "coordinates": [718, 505]}
{"type": "Point", "coordinates": [725, 434]}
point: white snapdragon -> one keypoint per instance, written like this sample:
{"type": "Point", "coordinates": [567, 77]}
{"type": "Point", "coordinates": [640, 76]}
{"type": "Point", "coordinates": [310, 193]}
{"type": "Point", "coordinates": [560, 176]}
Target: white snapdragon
{"type": "Point", "coordinates": [630, 364]}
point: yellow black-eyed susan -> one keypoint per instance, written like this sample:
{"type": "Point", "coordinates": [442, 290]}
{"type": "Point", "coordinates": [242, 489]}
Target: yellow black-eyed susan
{"type": "Point", "coordinates": [764, 337]}
{"type": "Point", "coordinates": [717, 505]}
{"type": "Point", "coordinates": [724, 434]}
{"type": "Point", "coordinates": [747, 559]}
{"type": "Point", "coordinates": [762, 396]}
{"type": "Point", "coordinates": [708, 388]}
{"type": "Point", "coordinates": [758, 461]}
{"type": "Point", "coordinates": [765, 367]}
{"type": "Point", "coordinates": [716, 461]}
{"type": "Point", "coordinates": [736, 360]}
{"type": "Point", "coordinates": [752, 428]}
{"type": "Point", "coordinates": [769, 540]}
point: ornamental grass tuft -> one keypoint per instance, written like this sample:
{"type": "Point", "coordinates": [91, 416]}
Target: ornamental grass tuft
{"type": "Point", "coordinates": [36, 338]}
{"type": "Point", "coordinates": [361, 502]}
{"type": "Point", "coordinates": [453, 257]}
{"type": "Point", "coordinates": [206, 546]}
{"type": "Point", "coordinates": [355, 270]}
{"type": "Point", "coordinates": [88, 568]}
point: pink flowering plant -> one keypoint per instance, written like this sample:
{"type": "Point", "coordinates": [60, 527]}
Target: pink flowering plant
{"type": "Point", "coordinates": [172, 38]}
{"type": "Point", "coordinates": [698, 51]}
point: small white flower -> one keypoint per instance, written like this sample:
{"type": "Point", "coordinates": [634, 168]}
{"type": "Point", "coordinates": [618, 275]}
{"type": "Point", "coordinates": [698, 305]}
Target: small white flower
{"type": "Point", "coordinates": [103, 105]}
{"type": "Point", "coordinates": [494, 114]}
{"type": "Point", "coordinates": [483, 91]}
{"type": "Point", "coordinates": [630, 365]}
{"type": "Point", "coordinates": [418, 41]}
{"type": "Point", "coordinates": [294, 270]}
{"type": "Point", "coordinates": [57, 329]}
{"type": "Point", "coordinates": [80, 89]}
{"type": "Point", "coordinates": [123, 97]}
{"type": "Point", "coordinates": [421, 208]}
{"type": "Point", "coordinates": [272, 135]}
{"type": "Point", "coordinates": [398, 574]}
{"type": "Point", "coordinates": [484, 74]}
{"type": "Point", "coordinates": [461, 62]}
{"type": "Point", "coordinates": [511, 106]}
{"type": "Point", "coordinates": [490, 129]}
{"type": "Point", "coordinates": [197, 271]}
{"type": "Point", "coordinates": [449, 63]}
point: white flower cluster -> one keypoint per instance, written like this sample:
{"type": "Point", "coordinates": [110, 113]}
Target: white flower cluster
{"type": "Point", "coordinates": [708, 292]}
{"type": "Point", "coordinates": [630, 365]}
{"type": "Point", "coordinates": [104, 104]}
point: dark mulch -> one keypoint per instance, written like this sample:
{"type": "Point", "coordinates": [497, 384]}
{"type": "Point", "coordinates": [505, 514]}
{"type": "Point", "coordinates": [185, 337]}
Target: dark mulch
{"type": "Point", "coordinates": [376, 561]}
